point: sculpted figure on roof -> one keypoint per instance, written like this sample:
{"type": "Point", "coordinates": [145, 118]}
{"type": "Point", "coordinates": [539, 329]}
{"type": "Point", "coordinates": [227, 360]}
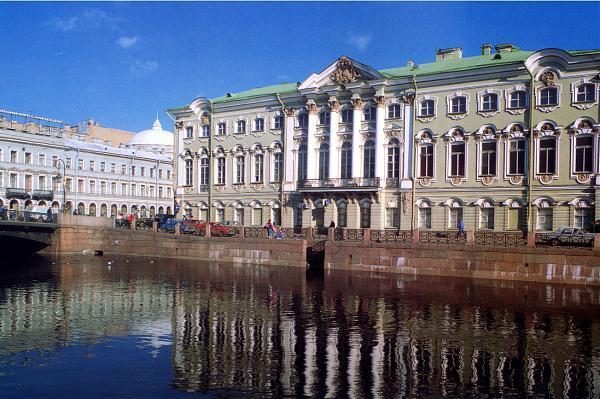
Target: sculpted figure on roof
{"type": "Point", "coordinates": [345, 72]}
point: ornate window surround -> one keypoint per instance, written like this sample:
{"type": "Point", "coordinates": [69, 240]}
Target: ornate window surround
{"type": "Point", "coordinates": [272, 119]}
{"type": "Point", "coordinates": [507, 98]}
{"type": "Point", "coordinates": [255, 121]}
{"type": "Point", "coordinates": [480, 95]}
{"type": "Point", "coordinates": [426, 118]}
{"type": "Point", "coordinates": [274, 148]}
{"type": "Point", "coordinates": [546, 83]}
{"type": "Point", "coordinates": [580, 203]}
{"type": "Point", "coordinates": [456, 134]}
{"type": "Point", "coordinates": [453, 203]}
{"type": "Point", "coordinates": [237, 121]}
{"type": "Point", "coordinates": [486, 133]}
{"type": "Point", "coordinates": [578, 129]}
{"type": "Point", "coordinates": [515, 132]}
{"type": "Point", "coordinates": [219, 153]}
{"type": "Point", "coordinates": [425, 137]}
{"type": "Point", "coordinates": [386, 147]}
{"type": "Point", "coordinates": [225, 124]}
{"type": "Point", "coordinates": [575, 86]}
{"type": "Point", "coordinates": [394, 101]}
{"type": "Point", "coordinates": [539, 132]}
{"type": "Point", "coordinates": [449, 98]}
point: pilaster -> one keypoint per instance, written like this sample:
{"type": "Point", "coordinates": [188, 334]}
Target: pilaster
{"type": "Point", "coordinates": [334, 161]}
{"type": "Point", "coordinates": [357, 105]}
{"type": "Point", "coordinates": [311, 148]}
{"type": "Point", "coordinates": [289, 181]}
{"type": "Point", "coordinates": [379, 139]}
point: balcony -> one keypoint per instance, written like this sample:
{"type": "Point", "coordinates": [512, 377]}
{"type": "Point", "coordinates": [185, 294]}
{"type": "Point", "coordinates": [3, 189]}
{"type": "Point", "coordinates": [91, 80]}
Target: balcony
{"type": "Point", "coordinates": [42, 195]}
{"type": "Point", "coordinates": [19, 193]}
{"type": "Point", "coordinates": [354, 184]}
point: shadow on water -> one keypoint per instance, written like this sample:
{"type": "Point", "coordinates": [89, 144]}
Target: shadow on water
{"type": "Point", "coordinates": [172, 328]}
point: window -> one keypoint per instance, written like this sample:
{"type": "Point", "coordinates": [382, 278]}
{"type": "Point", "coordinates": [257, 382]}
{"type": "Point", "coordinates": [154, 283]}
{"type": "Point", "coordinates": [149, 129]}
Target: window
{"type": "Point", "coordinates": [42, 160]}
{"type": "Point", "coordinates": [188, 172]}
{"type": "Point", "coordinates": [324, 161]}
{"type": "Point", "coordinates": [240, 127]}
{"type": "Point", "coordinates": [544, 218]}
{"type": "Point", "coordinates": [133, 190]}
{"type": "Point", "coordinates": [222, 129]}
{"type": "Point", "coordinates": [102, 187]}
{"type": "Point", "coordinates": [205, 130]}
{"type": "Point", "coordinates": [160, 192]}
{"type": "Point", "coordinates": [369, 159]}
{"type": "Point", "coordinates": [41, 182]}
{"type": "Point", "coordinates": [168, 175]}
{"type": "Point", "coordinates": [123, 188]}
{"type": "Point", "coordinates": [160, 173]}
{"type": "Point", "coordinates": [151, 172]}
{"type": "Point", "coordinates": [80, 164]}
{"type": "Point", "coordinates": [54, 161]}
{"type": "Point", "coordinates": [457, 159]}
{"type": "Point", "coordinates": [259, 125]}
{"type": "Point", "coordinates": [102, 166]}
{"type": "Point", "coordinates": [132, 170]}
{"type": "Point", "coordinates": [586, 93]}
{"type": "Point", "coordinates": [393, 159]}
{"type": "Point", "coordinates": [549, 96]}
{"type": "Point", "coordinates": [302, 119]}
{"type": "Point", "coordinates": [424, 218]}
{"type": "Point", "coordinates": [365, 215]}
{"type": "Point", "coordinates": [394, 111]}
{"type": "Point", "coordinates": [342, 214]}
{"type": "Point", "coordinates": [258, 168]}
{"type": "Point", "coordinates": [583, 218]}
{"type": "Point", "coordinates": [189, 132]}
{"type": "Point", "coordinates": [203, 172]}
{"type": "Point", "coordinates": [169, 193]}
{"type": "Point", "coordinates": [547, 156]}
{"type": "Point", "coordinates": [113, 188]}
{"type": "Point", "coordinates": [80, 186]}
{"type": "Point", "coordinates": [516, 165]}
{"type": "Point", "coordinates": [277, 167]}
{"type": "Point", "coordinates": [142, 171]}
{"type": "Point", "coordinates": [143, 190]}
{"type": "Point", "coordinates": [518, 99]}
{"type": "Point", "coordinates": [276, 216]}
{"type": "Point", "coordinates": [369, 113]}
{"type": "Point", "coordinates": [458, 105]}
{"type": "Point", "coordinates": [13, 180]}
{"type": "Point", "coordinates": [324, 118]}
{"type": "Point", "coordinates": [392, 217]}
{"type": "Point", "coordinates": [92, 166]}
{"type": "Point", "coordinates": [346, 160]}
{"type": "Point", "coordinates": [584, 149]}
{"type": "Point", "coordinates": [239, 169]}
{"type": "Point", "coordinates": [486, 218]}
{"type": "Point", "coordinates": [13, 156]}
{"type": "Point", "coordinates": [278, 122]}
{"type": "Point", "coordinates": [426, 160]}
{"type": "Point", "coordinates": [257, 216]}
{"type": "Point", "coordinates": [238, 216]}
{"type": "Point", "coordinates": [456, 215]}
{"type": "Point", "coordinates": [489, 102]}
{"type": "Point", "coordinates": [427, 108]}
{"type": "Point", "coordinates": [92, 187]}
{"type": "Point", "coordinates": [302, 163]}
{"type": "Point", "coordinates": [346, 115]}
{"type": "Point", "coordinates": [221, 170]}
{"type": "Point", "coordinates": [28, 158]}
{"type": "Point", "coordinates": [488, 158]}
{"type": "Point", "coordinates": [220, 215]}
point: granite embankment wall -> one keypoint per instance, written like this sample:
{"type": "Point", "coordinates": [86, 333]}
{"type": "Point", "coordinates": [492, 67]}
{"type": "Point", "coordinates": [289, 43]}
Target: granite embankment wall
{"type": "Point", "coordinates": [71, 239]}
{"type": "Point", "coordinates": [555, 265]}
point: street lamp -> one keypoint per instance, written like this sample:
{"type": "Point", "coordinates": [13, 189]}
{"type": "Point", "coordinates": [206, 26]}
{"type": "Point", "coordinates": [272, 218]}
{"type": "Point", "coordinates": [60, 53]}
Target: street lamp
{"type": "Point", "coordinates": [64, 179]}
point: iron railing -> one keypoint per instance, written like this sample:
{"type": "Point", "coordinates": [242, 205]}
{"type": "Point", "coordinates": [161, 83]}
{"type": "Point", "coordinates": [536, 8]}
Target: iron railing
{"type": "Point", "coordinates": [442, 237]}
{"type": "Point", "coordinates": [255, 232]}
{"type": "Point", "coordinates": [357, 182]}
{"type": "Point", "coordinates": [552, 239]}
{"type": "Point", "coordinates": [28, 216]}
{"type": "Point", "coordinates": [344, 234]}
{"type": "Point", "coordinates": [320, 233]}
{"type": "Point", "coordinates": [500, 238]}
{"type": "Point", "coordinates": [403, 236]}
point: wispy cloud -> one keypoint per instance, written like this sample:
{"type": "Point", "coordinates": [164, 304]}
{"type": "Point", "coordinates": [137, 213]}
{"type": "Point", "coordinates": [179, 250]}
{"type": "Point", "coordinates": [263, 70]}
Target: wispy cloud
{"type": "Point", "coordinates": [142, 68]}
{"type": "Point", "coordinates": [361, 42]}
{"type": "Point", "coordinates": [126, 41]}
{"type": "Point", "coordinates": [86, 20]}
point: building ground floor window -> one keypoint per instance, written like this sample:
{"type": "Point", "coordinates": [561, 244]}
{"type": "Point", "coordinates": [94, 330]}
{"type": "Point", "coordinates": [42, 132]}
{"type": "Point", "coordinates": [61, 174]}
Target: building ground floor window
{"type": "Point", "coordinates": [583, 218]}
{"type": "Point", "coordinates": [455, 216]}
{"type": "Point", "coordinates": [392, 217]}
{"type": "Point", "coordinates": [257, 216]}
{"type": "Point", "coordinates": [544, 218]}
{"type": "Point", "coordinates": [342, 214]}
{"type": "Point", "coordinates": [220, 215]}
{"type": "Point", "coordinates": [276, 216]}
{"type": "Point", "coordinates": [516, 218]}
{"type": "Point", "coordinates": [365, 214]}
{"type": "Point", "coordinates": [424, 218]}
{"type": "Point", "coordinates": [486, 219]}
{"type": "Point", "coordinates": [238, 215]}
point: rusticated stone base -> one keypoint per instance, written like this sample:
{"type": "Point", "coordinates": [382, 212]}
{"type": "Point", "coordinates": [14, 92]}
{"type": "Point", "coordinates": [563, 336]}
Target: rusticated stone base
{"type": "Point", "coordinates": [87, 239]}
{"type": "Point", "coordinates": [556, 265]}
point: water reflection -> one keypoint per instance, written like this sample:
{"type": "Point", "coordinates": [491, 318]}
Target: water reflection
{"type": "Point", "coordinates": [259, 331]}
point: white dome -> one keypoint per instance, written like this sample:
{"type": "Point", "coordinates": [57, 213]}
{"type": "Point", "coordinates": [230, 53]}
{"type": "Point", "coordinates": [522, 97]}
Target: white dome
{"type": "Point", "coordinates": [155, 137]}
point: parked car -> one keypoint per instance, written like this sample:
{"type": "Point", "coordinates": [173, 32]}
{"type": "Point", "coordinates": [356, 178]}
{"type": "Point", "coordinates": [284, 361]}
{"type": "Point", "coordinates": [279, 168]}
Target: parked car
{"type": "Point", "coordinates": [37, 213]}
{"type": "Point", "coordinates": [162, 218]}
{"type": "Point", "coordinates": [199, 227]}
{"type": "Point", "coordinates": [169, 225]}
{"type": "Point", "coordinates": [568, 236]}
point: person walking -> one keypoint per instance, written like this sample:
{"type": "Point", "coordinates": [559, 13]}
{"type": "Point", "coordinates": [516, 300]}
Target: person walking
{"type": "Point", "coordinates": [269, 227]}
{"type": "Point", "coordinates": [461, 229]}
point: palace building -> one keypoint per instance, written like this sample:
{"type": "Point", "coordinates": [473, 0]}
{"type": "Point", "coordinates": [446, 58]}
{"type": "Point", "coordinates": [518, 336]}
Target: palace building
{"type": "Point", "coordinates": [506, 140]}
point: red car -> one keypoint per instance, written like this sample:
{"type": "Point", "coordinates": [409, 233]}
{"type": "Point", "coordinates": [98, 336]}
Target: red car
{"type": "Point", "coordinates": [199, 227]}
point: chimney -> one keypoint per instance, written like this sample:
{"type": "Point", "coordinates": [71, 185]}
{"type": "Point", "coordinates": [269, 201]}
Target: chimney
{"type": "Point", "coordinates": [410, 64]}
{"type": "Point", "coordinates": [453, 53]}
{"type": "Point", "coordinates": [486, 49]}
{"type": "Point", "coordinates": [505, 48]}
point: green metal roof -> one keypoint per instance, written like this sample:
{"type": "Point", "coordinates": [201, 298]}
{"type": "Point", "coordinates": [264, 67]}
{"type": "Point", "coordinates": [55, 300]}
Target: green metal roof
{"type": "Point", "coordinates": [283, 88]}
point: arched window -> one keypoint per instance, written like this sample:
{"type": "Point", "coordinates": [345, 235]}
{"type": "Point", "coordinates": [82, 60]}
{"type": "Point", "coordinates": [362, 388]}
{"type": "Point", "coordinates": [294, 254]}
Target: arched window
{"type": "Point", "coordinates": [586, 93]}
{"type": "Point", "coordinates": [369, 113]}
{"type": "Point", "coordinates": [221, 170]}
{"type": "Point", "coordinates": [365, 215]}
{"type": "Point", "coordinates": [369, 159]}
{"type": "Point", "coordinates": [427, 108]}
{"type": "Point", "coordinates": [342, 214]}
{"type": "Point", "coordinates": [324, 161]}
{"type": "Point", "coordinates": [458, 105]}
{"type": "Point", "coordinates": [549, 96]}
{"type": "Point", "coordinates": [189, 132]}
{"type": "Point", "coordinates": [240, 169]}
{"type": "Point", "coordinates": [303, 120]}
{"type": "Point", "coordinates": [204, 172]}
{"type": "Point", "coordinates": [302, 163]}
{"type": "Point", "coordinates": [92, 209]}
{"type": "Point", "coordinates": [346, 115]}
{"type": "Point", "coordinates": [488, 158]}
{"type": "Point", "coordinates": [324, 118]}
{"type": "Point", "coordinates": [188, 172]}
{"type": "Point", "coordinates": [258, 168]}
{"type": "Point", "coordinates": [518, 99]}
{"type": "Point", "coordinates": [489, 102]}
{"type": "Point", "coordinates": [547, 155]}
{"type": "Point", "coordinates": [393, 159]}
{"type": "Point", "coordinates": [394, 111]}
{"type": "Point", "coordinates": [277, 166]}
{"type": "Point", "coordinates": [457, 159]}
{"type": "Point", "coordinates": [426, 160]}
{"type": "Point", "coordinates": [346, 161]}
{"type": "Point", "coordinates": [584, 154]}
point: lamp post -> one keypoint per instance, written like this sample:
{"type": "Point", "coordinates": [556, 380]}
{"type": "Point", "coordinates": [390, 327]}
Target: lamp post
{"type": "Point", "coordinates": [64, 179]}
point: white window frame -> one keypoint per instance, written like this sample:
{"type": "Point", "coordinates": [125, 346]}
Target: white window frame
{"type": "Point", "coordinates": [189, 132]}
{"type": "Point", "coordinates": [390, 106]}
{"type": "Point", "coordinates": [508, 97]}
{"type": "Point", "coordinates": [574, 90]}
{"type": "Point", "coordinates": [577, 132]}
{"type": "Point", "coordinates": [481, 101]}
{"type": "Point", "coordinates": [257, 121]}
{"type": "Point", "coordinates": [426, 118]}
{"type": "Point", "coordinates": [222, 128]}
{"type": "Point", "coordinates": [426, 137]}
{"type": "Point", "coordinates": [457, 115]}
{"type": "Point", "coordinates": [556, 133]}
{"type": "Point", "coordinates": [453, 136]}
{"type": "Point", "coordinates": [239, 124]}
{"type": "Point", "coordinates": [274, 119]}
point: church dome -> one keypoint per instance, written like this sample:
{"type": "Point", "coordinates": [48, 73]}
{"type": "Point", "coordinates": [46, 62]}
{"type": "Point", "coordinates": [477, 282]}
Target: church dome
{"type": "Point", "coordinates": [152, 138]}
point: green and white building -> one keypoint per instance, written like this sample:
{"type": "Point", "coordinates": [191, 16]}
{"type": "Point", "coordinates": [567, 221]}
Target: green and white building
{"type": "Point", "coordinates": [507, 140]}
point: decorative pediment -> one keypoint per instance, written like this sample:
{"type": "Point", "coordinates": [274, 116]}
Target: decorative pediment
{"type": "Point", "coordinates": [342, 72]}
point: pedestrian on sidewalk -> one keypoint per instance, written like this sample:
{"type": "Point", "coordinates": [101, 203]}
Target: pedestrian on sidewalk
{"type": "Point", "coordinates": [461, 229]}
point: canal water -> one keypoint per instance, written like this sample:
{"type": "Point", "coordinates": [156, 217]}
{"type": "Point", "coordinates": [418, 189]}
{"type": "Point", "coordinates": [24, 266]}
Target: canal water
{"type": "Point", "coordinates": [107, 327]}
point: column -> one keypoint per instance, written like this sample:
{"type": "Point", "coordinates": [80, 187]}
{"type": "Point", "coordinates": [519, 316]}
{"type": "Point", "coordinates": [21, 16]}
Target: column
{"type": "Point", "coordinates": [334, 161]}
{"type": "Point", "coordinates": [289, 182]}
{"type": "Point", "coordinates": [311, 148]}
{"type": "Point", "coordinates": [379, 139]}
{"type": "Point", "coordinates": [358, 105]}
{"type": "Point", "coordinates": [409, 147]}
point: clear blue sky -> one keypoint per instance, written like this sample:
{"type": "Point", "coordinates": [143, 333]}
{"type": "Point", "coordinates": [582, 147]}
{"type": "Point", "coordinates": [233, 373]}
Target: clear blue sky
{"type": "Point", "coordinates": [118, 63]}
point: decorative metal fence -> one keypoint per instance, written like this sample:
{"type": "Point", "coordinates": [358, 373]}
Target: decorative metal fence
{"type": "Point", "coordinates": [442, 237]}
{"type": "Point", "coordinates": [554, 240]}
{"type": "Point", "coordinates": [500, 238]}
{"type": "Point", "coordinates": [234, 231]}
{"type": "Point", "coordinates": [144, 224]}
{"type": "Point", "coordinates": [403, 236]}
{"type": "Point", "coordinates": [193, 229]}
{"type": "Point", "coordinates": [294, 233]}
{"type": "Point", "coordinates": [255, 232]}
{"type": "Point", "coordinates": [344, 234]}
{"type": "Point", "coordinates": [28, 216]}
{"type": "Point", "coordinates": [320, 233]}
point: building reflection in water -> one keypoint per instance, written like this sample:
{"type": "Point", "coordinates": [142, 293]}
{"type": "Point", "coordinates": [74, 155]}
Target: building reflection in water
{"type": "Point", "coordinates": [271, 332]}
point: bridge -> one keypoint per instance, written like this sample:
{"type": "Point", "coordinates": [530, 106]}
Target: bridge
{"type": "Point", "coordinates": [24, 232]}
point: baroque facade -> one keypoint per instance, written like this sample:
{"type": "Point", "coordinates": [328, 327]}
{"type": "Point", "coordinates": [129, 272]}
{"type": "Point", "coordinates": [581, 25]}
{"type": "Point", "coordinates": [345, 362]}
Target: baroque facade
{"type": "Point", "coordinates": [507, 140]}
{"type": "Point", "coordinates": [45, 163]}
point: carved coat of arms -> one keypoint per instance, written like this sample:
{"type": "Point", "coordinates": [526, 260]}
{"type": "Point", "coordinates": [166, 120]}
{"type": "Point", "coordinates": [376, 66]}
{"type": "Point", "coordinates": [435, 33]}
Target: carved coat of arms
{"type": "Point", "coordinates": [345, 72]}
